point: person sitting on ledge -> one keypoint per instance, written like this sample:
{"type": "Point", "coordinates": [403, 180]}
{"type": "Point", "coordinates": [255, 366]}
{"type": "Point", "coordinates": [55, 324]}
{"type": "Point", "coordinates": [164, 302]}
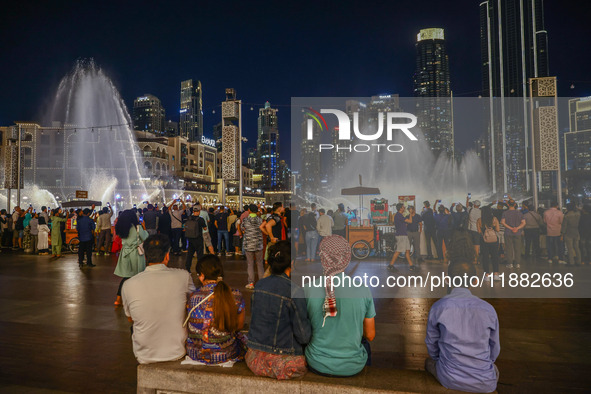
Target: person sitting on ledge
{"type": "Point", "coordinates": [279, 324]}
{"type": "Point", "coordinates": [216, 314]}
{"type": "Point", "coordinates": [154, 301]}
{"type": "Point", "coordinates": [342, 316]}
{"type": "Point", "coordinates": [463, 337]}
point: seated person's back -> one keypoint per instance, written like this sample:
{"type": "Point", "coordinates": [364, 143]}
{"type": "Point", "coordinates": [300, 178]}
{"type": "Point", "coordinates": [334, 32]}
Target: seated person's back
{"type": "Point", "coordinates": [216, 314]}
{"type": "Point", "coordinates": [340, 320]}
{"type": "Point", "coordinates": [279, 324]}
{"type": "Point", "coordinates": [155, 301]}
{"type": "Point", "coordinates": [463, 339]}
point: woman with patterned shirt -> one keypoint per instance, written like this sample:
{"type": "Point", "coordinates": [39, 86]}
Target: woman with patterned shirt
{"type": "Point", "coordinates": [216, 314]}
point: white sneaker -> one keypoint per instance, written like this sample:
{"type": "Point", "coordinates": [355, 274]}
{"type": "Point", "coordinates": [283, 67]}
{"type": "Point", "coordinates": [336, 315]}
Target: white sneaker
{"type": "Point", "coordinates": [550, 261]}
{"type": "Point", "coordinates": [561, 262]}
{"type": "Point", "coordinates": [497, 277]}
{"type": "Point", "coordinates": [509, 265]}
{"type": "Point", "coordinates": [517, 266]}
{"type": "Point", "coordinates": [487, 277]}
{"type": "Point", "coordinates": [250, 286]}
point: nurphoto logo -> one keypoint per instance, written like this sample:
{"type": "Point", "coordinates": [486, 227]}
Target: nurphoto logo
{"type": "Point", "coordinates": [394, 121]}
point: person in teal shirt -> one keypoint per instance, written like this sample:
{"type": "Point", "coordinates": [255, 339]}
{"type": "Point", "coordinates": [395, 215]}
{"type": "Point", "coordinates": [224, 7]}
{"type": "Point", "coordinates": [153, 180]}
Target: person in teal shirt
{"type": "Point", "coordinates": [342, 320]}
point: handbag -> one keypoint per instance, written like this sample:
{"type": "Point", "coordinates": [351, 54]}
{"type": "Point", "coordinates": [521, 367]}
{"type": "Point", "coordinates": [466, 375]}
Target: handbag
{"type": "Point", "coordinates": [140, 245]}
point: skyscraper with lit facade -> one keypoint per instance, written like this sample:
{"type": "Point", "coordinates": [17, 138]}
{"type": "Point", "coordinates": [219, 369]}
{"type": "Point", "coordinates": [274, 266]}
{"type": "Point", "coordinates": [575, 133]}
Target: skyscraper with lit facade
{"type": "Point", "coordinates": [577, 141]}
{"type": "Point", "coordinates": [191, 112]}
{"type": "Point", "coordinates": [267, 162]}
{"type": "Point", "coordinates": [149, 115]}
{"type": "Point", "coordinates": [432, 89]}
{"type": "Point", "coordinates": [514, 48]}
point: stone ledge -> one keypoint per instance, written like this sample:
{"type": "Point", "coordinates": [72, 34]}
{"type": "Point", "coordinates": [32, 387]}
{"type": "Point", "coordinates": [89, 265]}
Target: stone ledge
{"type": "Point", "coordinates": [172, 377]}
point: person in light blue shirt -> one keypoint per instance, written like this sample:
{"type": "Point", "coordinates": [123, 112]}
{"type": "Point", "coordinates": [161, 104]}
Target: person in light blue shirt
{"type": "Point", "coordinates": [463, 338]}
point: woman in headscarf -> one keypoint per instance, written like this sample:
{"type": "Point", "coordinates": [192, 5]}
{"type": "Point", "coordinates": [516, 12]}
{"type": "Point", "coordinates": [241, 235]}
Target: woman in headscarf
{"type": "Point", "coordinates": [342, 316]}
{"type": "Point", "coordinates": [131, 259]}
{"type": "Point", "coordinates": [56, 232]}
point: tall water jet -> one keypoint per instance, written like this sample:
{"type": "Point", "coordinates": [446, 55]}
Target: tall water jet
{"type": "Point", "coordinates": [100, 145]}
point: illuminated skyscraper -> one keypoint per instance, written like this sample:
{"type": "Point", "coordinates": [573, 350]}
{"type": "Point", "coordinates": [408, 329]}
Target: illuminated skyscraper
{"type": "Point", "coordinates": [514, 48]}
{"type": "Point", "coordinates": [433, 91]}
{"type": "Point", "coordinates": [191, 113]}
{"type": "Point", "coordinates": [310, 157]}
{"type": "Point", "coordinates": [577, 142]}
{"type": "Point", "coordinates": [268, 147]}
{"type": "Point", "coordinates": [148, 114]}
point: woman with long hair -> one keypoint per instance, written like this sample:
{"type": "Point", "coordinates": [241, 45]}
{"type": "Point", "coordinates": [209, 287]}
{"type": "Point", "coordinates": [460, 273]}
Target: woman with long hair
{"type": "Point", "coordinates": [461, 249]}
{"type": "Point", "coordinates": [216, 314]}
{"type": "Point", "coordinates": [279, 326]}
{"type": "Point", "coordinates": [488, 226]}
{"type": "Point", "coordinates": [131, 258]}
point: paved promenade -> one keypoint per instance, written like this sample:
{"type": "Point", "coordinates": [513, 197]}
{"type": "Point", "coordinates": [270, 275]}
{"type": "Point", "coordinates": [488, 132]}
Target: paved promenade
{"type": "Point", "coordinates": [59, 330]}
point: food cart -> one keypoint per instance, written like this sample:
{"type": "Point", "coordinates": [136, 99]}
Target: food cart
{"type": "Point", "coordinates": [72, 240]}
{"type": "Point", "coordinates": [362, 238]}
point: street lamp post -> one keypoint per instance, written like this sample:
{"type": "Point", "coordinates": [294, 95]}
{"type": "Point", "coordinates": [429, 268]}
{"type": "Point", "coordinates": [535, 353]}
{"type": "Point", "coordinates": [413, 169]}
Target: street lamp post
{"type": "Point", "coordinates": [18, 169]}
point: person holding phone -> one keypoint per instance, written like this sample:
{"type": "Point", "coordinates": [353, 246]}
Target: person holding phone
{"type": "Point", "coordinates": [176, 225]}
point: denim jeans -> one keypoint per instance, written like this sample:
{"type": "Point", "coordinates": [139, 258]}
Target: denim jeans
{"type": "Point", "coordinates": [554, 247]}
{"type": "Point", "coordinates": [532, 241]}
{"type": "Point", "coordinates": [415, 241]}
{"type": "Point", "coordinates": [176, 238]}
{"type": "Point", "coordinates": [430, 235]}
{"type": "Point", "coordinates": [311, 244]}
{"type": "Point", "coordinates": [572, 247]}
{"type": "Point", "coordinates": [223, 235]}
{"type": "Point", "coordinates": [513, 247]}
{"type": "Point", "coordinates": [489, 254]}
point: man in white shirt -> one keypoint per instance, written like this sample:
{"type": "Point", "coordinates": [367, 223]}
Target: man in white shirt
{"type": "Point", "coordinates": [154, 301]}
{"type": "Point", "coordinates": [324, 224]}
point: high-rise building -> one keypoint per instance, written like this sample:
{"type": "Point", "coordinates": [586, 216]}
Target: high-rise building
{"type": "Point", "coordinates": [191, 113]}
{"type": "Point", "coordinates": [514, 48]}
{"type": "Point", "coordinates": [309, 174]}
{"type": "Point", "coordinates": [433, 91]}
{"type": "Point", "coordinates": [267, 162]}
{"type": "Point", "coordinates": [148, 114]}
{"type": "Point", "coordinates": [577, 141]}
{"type": "Point", "coordinates": [171, 128]}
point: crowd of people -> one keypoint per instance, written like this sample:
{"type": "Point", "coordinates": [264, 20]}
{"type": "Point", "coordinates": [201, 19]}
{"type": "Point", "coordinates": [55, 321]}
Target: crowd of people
{"type": "Point", "coordinates": [501, 231]}
{"type": "Point", "coordinates": [323, 330]}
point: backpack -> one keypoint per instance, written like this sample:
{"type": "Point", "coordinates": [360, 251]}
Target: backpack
{"type": "Point", "coordinates": [20, 224]}
{"type": "Point", "coordinates": [194, 227]}
{"type": "Point", "coordinates": [233, 228]}
{"type": "Point", "coordinates": [490, 235]}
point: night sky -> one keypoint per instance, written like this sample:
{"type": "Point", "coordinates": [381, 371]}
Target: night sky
{"type": "Point", "coordinates": [265, 50]}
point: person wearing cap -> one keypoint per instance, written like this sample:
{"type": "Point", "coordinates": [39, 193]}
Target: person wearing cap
{"type": "Point", "coordinates": [85, 227]}
{"type": "Point", "coordinates": [342, 316]}
{"type": "Point", "coordinates": [474, 214]}
{"type": "Point", "coordinates": [194, 234]}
